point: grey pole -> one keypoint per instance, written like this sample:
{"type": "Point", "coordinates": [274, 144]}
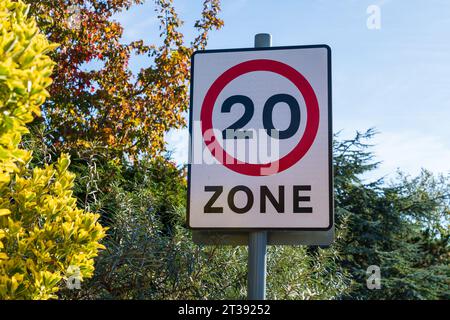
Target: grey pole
{"type": "Point", "coordinates": [263, 40]}
{"type": "Point", "coordinates": [257, 240]}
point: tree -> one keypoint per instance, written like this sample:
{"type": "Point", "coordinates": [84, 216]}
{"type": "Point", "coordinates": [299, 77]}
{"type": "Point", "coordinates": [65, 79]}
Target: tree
{"type": "Point", "coordinates": [44, 237]}
{"type": "Point", "coordinates": [400, 226]}
{"type": "Point", "coordinates": [109, 108]}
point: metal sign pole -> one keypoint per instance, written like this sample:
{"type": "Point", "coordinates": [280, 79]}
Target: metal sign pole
{"type": "Point", "coordinates": [257, 265]}
{"type": "Point", "coordinates": [257, 241]}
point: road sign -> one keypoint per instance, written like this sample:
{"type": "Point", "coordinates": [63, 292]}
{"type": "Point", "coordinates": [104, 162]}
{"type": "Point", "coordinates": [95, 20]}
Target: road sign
{"type": "Point", "coordinates": [260, 148]}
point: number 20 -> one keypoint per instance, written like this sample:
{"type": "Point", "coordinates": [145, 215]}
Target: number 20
{"type": "Point", "coordinates": [233, 130]}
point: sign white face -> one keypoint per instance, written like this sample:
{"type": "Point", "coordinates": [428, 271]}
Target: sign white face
{"type": "Point", "coordinates": [260, 130]}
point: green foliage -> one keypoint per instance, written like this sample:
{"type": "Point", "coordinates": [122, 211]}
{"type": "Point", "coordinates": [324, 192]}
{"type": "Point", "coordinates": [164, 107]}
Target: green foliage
{"type": "Point", "coordinates": [307, 273]}
{"type": "Point", "coordinates": [401, 226]}
{"type": "Point", "coordinates": [150, 253]}
{"type": "Point", "coordinates": [44, 237]}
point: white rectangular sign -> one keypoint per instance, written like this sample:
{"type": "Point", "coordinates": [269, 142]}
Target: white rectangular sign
{"type": "Point", "coordinates": [261, 139]}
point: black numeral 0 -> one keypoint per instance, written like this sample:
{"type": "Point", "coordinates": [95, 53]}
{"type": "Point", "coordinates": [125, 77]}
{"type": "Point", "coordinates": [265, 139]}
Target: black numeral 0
{"type": "Point", "coordinates": [233, 132]}
{"type": "Point", "coordinates": [268, 112]}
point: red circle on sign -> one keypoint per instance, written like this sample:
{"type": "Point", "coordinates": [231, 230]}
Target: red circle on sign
{"type": "Point", "coordinates": [312, 123]}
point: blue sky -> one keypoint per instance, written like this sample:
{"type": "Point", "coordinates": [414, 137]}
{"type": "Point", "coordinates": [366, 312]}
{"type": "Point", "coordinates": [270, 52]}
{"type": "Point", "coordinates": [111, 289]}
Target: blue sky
{"type": "Point", "coordinates": [396, 79]}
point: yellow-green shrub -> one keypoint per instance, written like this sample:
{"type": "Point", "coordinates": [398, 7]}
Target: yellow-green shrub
{"type": "Point", "coordinates": [44, 237]}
